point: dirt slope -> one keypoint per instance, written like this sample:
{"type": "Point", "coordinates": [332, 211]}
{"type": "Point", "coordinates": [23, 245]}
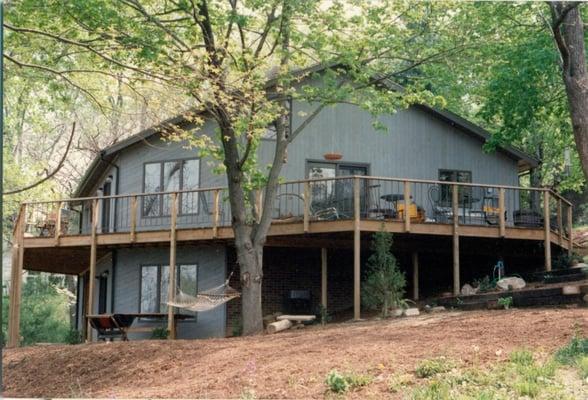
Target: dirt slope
{"type": "Point", "coordinates": [286, 365]}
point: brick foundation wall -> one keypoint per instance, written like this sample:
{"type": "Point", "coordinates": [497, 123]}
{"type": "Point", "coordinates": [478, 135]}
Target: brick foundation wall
{"type": "Point", "coordinates": [287, 269]}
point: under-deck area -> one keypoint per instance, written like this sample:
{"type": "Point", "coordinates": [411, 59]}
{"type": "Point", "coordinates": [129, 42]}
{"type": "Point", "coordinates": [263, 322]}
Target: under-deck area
{"type": "Point", "coordinates": [446, 233]}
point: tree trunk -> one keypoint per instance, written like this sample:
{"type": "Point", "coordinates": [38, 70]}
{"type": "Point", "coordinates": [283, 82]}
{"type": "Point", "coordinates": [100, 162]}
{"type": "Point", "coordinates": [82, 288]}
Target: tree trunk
{"type": "Point", "coordinates": [568, 31]}
{"type": "Point", "coordinates": [251, 265]}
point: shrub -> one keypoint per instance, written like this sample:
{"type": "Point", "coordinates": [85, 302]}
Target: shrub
{"type": "Point", "coordinates": [505, 302]}
{"type": "Point", "coordinates": [336, 382]}
{"type": "Point", "coordinates": [237, 327]}
{"type": "Point", "coordinates": [159, 333]}
{"type": "Point", "coordinates": [340, 383]}
{"type": "Point", "coordinates": [384, 284]}
{"type": "Point", "coordinates": [575, 349]}
{"type": "Point", "coordinates": [74, 336]}
{"type": "Point", "coordinates": [44, 312]}
{"type": "Point", "coordinates": [434, 366]}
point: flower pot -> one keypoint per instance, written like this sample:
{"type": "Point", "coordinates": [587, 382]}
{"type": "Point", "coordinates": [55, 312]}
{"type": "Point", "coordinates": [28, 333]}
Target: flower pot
{"type": "Point", "coordinates": [333, 156]}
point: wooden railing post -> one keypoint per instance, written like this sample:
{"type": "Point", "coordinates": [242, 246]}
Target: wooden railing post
{"type": "Point", "coordinates": [570, 231]}
{"type": "Point", "coordinates": [306, 223]}
{"type": "Point", "coordinates": [215, 212]}
{"type": "Point", "coordinates": [547, 230]}
{"type": "Point", "coordinates": [501, 213]}
{"type": "Point", "coordinates": [92, 273]}
{"type": "Point", "coordinates": [58, 224]}
{"type": "Point", "coordinates": [559, 221]}
{"type": "Point", "coordinates": [356, 251]}
{"type": "Point", "coordinates": [133, 227]}
{"type": "Point", "coordinates": [407, 204]}
{"type": "Point", "coordinates": [171, 294]}
{"type": "Point", "coordinates": [16, 279]}
{"type": "Point", "coordinates": [455, 207]}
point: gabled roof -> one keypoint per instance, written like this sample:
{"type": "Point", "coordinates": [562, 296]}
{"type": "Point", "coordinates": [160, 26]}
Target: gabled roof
{"type": "Point", "coordinates": [106, 156]}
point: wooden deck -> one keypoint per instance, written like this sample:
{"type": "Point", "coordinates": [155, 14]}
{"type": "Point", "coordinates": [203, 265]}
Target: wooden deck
{"type": "Point", "coordinates": [53, 246]}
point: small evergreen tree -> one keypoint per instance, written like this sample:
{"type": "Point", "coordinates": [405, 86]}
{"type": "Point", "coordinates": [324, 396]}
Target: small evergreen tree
{"type": "Point", "coordinates": [384, 284]}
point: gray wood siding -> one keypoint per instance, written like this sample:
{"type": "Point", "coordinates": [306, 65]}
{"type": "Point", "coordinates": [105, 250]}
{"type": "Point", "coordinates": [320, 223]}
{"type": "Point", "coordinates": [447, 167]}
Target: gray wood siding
{"type": "Point", "coordinates": [211, 272]}
{"type": "Point", "coordinates": [416, 145]}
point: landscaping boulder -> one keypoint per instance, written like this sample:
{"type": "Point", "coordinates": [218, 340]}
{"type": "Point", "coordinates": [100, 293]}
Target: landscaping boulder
{"type": "Point", "coordinates": [570, 290]}
{"type": "Point", "coordinates": [468, 290]}
{"type": "Point", "coordinates": [511, 283]}
{"type": "Point", "coordinates": [411, 312]}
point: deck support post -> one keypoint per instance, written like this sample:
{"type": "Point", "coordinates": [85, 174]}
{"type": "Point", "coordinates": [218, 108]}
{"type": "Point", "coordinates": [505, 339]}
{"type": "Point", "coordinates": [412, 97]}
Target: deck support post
{"type": "Point", "coordinates": [547, 230]}
{"type": "Point", "coordinates": [455, 207]}
{"type": "Point", "coordinates": [407, 204]}
{"type": "Point", "coordinates": [92, 273]}
{"type": "Point", "coordinates": [324, 278]}
{"type": "Point", "coordinates": [415, 276]}
{"type": "Point", "coordinates": [570, 238]}
{"type": "Point", "coordinates": [356, 251]}
{"type": "Point", "coordinates": [16, 280]}
{"type": "Point", "coordinates": [171, 289]}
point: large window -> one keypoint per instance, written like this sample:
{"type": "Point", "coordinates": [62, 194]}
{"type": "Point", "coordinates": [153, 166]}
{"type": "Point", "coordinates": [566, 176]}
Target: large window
{"type": "Point", "coordinates": [155, 285]}
{"type": "Point", "coordinates": [464, 193]}
{"type": "Point", "coordinates": [170, 176]}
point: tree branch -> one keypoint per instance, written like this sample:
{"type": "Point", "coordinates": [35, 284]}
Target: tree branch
{"type": "Point", "coordinates": [52, 173]}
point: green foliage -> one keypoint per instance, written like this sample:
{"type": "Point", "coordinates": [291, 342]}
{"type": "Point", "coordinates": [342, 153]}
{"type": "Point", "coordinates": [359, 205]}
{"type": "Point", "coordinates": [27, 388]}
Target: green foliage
{"type": "Point", "coordinates": [159, 333]}
{"type": "Point", "coordinates": [432, 367]}
{"type": "Point", "coordinates": [74, 336]}
{"type": "Point", "coordinates": [237, 326]}
{"type": "Point", "coordinates": [384, 284]}
{"type": "Point", "coordinates": [44, 314]}
{"type": "Point", "coordinates": [341, 383]}
{"type": "Point", "coordinates": [323, 314]}
{"type": "Point", "coordinates": [582, 364]}
{"type": "Point", "coordinates": [521, 376]}
{"type": "Point", "coordinates": [485, 284]}
{"type": "Point", "coordinates": [336, 382]}
{"type": "Point", "coordinates": [576, 348]}
{"type": "Point", "coordinates": [521, 357]}
{"type": "Point", "coordinates": [505, 302]}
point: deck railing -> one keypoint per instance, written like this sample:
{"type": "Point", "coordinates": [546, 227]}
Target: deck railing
{"type": "Point", "coordinates": [388, 199]}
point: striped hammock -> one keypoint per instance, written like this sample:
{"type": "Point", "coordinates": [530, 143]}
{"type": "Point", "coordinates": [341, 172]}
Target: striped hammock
{"type": "Point", "coordinates": [206, 300]}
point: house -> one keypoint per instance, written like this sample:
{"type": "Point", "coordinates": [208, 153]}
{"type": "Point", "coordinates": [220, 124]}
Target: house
{"type": "Point", "coordinates": [454, 209]}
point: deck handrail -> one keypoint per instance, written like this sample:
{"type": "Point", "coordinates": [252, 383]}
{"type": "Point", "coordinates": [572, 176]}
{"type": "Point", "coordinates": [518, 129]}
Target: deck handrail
{"type": "Point", "coordinates": [309, 180]}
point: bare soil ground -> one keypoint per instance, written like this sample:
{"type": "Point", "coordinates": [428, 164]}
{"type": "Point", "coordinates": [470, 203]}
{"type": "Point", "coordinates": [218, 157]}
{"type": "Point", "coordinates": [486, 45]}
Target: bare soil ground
{"type": "Point", "coordinates": [291, 364]}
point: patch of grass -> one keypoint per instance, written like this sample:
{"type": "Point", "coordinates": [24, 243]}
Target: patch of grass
{"type": "Point", "coordinates": [522, 376]}
{"type": "Point", "coordinates": [527, 388]}
{"type": "Point", "coordinates": [521, 357]}
{"type": "Point", "coordinates": [397, 382]}
{"type": "Point", "coordinates": [341, 383]}
{"type": "Point", "coordinates": [582, 364]}
{"type": "Point", "coordinates": [159, 333]}
{"type": "Point", "coordinates": [433, 366]}
{"type": "Point", "coordinates": [575, 349]}
{"type": "Point", "coordinates": [436, 390]}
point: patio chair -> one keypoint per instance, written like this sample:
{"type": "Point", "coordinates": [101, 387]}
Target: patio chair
{"type": "Point", "coordinates": [442, 211]}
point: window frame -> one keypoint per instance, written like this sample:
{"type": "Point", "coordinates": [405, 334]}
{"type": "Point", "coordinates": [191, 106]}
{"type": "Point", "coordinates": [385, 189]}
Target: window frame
{"type": "Point", "coordinates": [461, 189]}
{"type": "Point", "coordinates": [161, 179]}
{"type": "Point", "coordinates": [158, 285]}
